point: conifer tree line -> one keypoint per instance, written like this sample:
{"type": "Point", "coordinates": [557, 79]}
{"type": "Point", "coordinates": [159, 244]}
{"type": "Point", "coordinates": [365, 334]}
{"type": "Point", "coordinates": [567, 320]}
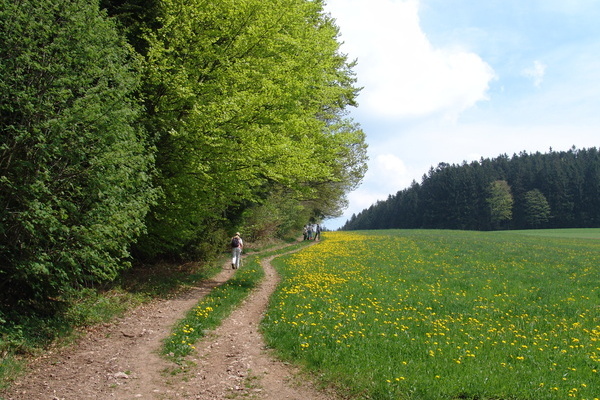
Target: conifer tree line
{"type": "Point", "coordinates": [144, 130]}
{"type": "Point", "coordinates": [559, 189]}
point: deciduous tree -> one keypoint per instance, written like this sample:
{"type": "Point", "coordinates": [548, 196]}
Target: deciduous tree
{"type": "Point", "coordinates": [501, 203]}
{"type": "Point", "coordinates": [74, 167]}
{"type": "Point", "coordinates": [537, 209]}
{"type": "Point", "coordinates": [246, 98]}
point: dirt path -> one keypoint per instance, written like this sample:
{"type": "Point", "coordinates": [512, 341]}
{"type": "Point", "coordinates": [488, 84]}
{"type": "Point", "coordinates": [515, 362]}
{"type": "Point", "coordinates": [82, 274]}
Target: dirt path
{"type": "Point", "coordinates": [121, 361]}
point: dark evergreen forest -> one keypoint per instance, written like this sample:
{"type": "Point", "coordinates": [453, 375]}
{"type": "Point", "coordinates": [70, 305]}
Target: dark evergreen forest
{"type": "Point", "coordinates": [560, 189]}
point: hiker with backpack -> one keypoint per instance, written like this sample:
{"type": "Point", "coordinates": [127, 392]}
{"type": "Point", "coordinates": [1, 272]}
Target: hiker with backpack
{"type": "Point", "coordinates": [237, 244]}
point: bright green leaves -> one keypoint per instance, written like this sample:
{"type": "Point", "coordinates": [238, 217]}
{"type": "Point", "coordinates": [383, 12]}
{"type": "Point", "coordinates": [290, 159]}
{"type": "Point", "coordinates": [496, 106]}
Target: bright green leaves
{"type": "Point", "coordinates": [501, 204]}
{"type": "Point", "coordinates": [537, 208]}
{"type": "Point", "coordinates": [247, 97]}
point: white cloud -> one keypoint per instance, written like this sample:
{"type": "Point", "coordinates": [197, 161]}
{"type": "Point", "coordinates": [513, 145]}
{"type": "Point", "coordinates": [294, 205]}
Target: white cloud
{"type": "Point", "coordinates": [536, 73]}
{"type": "Point", "coordinates": [386, 175]}
{"type": "Point", "coordinates": [402, 73]}
{"type": "Point", "coordinates": [405, 75]}
{"type": "Point", "coordinates": [390, 167]}
{"type": "Point", "coordinates": [361, 199]}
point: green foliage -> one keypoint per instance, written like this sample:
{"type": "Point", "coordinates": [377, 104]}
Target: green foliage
{"type": "Point", "coordinates": [134, 18]}
{"type": "Point", "coordinates": [74, 167]}
{"type": "Point", "coordinates": [245, 98]}
{"type": "Point", "coordinates": [501, 203]}
{"type": "Point", "coordinates": [537, 209]}
{"type": "Point", "coordinates": [278, 216]}
{"type": "Point", "coordinates": [443, 314]}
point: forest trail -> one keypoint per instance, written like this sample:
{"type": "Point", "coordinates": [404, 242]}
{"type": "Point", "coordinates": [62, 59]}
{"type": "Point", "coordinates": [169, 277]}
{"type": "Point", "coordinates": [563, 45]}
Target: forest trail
{"type": "Point", "coordinates": [120, 360]}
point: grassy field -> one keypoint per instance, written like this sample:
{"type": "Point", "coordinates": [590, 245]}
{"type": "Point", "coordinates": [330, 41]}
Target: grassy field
{"type": "Point", "coordinates": [444, 314]}
{"type": "Point", "coordinates": [562, 233]}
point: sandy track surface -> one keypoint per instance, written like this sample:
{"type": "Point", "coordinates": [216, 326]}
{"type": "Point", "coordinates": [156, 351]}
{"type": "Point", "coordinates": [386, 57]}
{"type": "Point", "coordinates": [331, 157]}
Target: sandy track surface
{"type": "Point", "coordinates": [120, 360]}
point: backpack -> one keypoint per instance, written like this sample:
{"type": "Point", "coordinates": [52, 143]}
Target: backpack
{"type": "Point", "coordinates": [235, 242]}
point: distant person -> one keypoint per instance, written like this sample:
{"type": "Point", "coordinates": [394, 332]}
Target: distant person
{"type": "Point", "coordinates": [305, 232]}
{"type": "Point", "coordinates": [318, 232]}
{"type": "Point", "coordinates": [237, 244]}
{"type": "Point", "coordinates": [310, 231]}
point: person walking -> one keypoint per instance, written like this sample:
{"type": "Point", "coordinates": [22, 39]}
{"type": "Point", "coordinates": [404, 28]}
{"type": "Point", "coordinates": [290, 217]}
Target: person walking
{"type": "Point", "coordinates": [237, 244]}
{"type": "Point", "coordinates": [318, 232]}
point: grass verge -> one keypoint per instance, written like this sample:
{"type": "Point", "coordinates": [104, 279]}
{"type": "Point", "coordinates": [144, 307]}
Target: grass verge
{"type": "Point", "coordinates": [212, 309]}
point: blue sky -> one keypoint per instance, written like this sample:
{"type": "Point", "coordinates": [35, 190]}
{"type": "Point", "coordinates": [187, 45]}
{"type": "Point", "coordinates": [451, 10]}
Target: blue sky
{"type": "Point", "coordinates": [456, 80]}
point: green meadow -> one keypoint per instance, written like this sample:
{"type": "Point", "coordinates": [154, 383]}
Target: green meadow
{"type": "Point", "coordinates": [444, 314]}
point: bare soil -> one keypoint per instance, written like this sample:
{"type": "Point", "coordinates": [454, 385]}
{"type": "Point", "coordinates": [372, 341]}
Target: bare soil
{"type": "Point", "coordinates": [120, 360]}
